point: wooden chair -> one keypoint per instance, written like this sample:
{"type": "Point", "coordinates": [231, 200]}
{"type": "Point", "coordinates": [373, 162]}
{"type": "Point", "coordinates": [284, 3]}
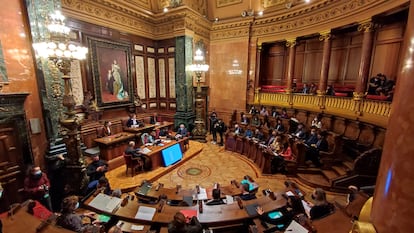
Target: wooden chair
{"type": "Point", "coordinates": [133, 164]}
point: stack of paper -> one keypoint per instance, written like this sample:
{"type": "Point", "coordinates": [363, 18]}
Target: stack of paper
{"type": "Point", "coordinates": [202, 195]}
{"type": "Point", "coordinates": [295, 227]}
{"type": "Point", "coordinates": [145, 213]}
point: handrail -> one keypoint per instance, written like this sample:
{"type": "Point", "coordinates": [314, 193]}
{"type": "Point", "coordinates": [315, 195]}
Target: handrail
{"type": "Point", "coordinates": [371, 111]}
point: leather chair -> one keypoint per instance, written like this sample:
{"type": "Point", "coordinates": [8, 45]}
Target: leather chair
{"type": "Point", "coordinates": [132, 164]}
{"type": "Point", "coordinates": [100, 132]}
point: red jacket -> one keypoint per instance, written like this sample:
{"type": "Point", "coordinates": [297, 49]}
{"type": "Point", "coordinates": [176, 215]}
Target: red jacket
{"type": "Point", "coordinates": [36, 188]}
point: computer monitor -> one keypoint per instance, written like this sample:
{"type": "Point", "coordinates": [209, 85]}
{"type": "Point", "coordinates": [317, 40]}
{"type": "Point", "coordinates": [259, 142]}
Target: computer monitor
{"type": "Point", "coordinates": [172, 154]}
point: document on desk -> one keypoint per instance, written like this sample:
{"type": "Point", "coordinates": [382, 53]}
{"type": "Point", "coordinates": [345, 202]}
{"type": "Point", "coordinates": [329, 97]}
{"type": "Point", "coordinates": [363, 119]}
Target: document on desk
{"type": "Point", "coordinates": [229, 199]}
{"type": "Point", "coordinates": [290, 194]}
{"type": "Point", "coordinates": [307, 207]}
{"type": "Point", "coordinates": [145, 150]}
{"type": "Point", "coordinates": [295, 227]}
{"type": "Point", "coordinates": [202, 195]}
{"type": "Point", "coordinates": [145, 213]}
{"type": "Point", "coordinates": [105, 203]}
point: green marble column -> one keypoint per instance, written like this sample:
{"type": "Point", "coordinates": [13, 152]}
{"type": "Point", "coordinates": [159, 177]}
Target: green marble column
{"type": "Point", "coordinates": [184, 82]}
{"type": "Point", "coordinates": [49, 78]}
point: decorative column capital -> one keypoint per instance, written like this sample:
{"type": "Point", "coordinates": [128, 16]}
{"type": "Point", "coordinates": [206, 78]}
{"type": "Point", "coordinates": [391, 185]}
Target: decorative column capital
{"type": "Point", "coordinates": [290, 43]}
{"type": "Point", "coordinates": [325, 35]}
{"type": "Point", "coordinates": [259, 47]}
{"type": "Point", "coordinates": [367, 26]}
{"type": "Point", "coordinates": [358, 96]}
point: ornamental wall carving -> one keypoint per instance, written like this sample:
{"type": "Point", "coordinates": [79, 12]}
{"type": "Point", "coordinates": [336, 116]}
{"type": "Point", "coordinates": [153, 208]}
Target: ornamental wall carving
{"type": "Point", "coordinates": [128, 16]}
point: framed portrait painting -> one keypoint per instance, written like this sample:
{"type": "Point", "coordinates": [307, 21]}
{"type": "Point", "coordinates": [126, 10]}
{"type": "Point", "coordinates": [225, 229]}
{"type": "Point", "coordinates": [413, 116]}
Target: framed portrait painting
{"type": "Point", "coordinates": [111, 72]}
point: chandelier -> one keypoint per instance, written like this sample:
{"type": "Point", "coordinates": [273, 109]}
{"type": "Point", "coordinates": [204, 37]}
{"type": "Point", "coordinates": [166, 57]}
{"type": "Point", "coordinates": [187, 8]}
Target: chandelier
{"type": "Point", "coordinates": [58, 45]}
{"type": "Point", "coordinates": [198, 67]}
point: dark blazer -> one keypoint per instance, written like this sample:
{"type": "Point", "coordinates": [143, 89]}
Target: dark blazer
{"type": "Point", "coordinates": [130, 122]}
{"type": "Point", "coordinates": [320, 211]}
{"type": "Point", "coordinates": [322, 145]}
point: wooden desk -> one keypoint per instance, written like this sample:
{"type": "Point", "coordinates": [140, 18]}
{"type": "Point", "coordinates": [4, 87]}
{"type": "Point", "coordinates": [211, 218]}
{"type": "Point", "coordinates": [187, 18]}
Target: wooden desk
{"type": "Point", "coordinates": [112, 147]}
{"type": "Point", "coordinates": [144, 129]}
{"type": "Point", "coordinates": [171, 193]}
{"type": "Point", "coordinates": [155, 154]}
{"type": "Point", "coordinates": [23, 222]}
{"type": "Point", "coordinates": [218, 215]}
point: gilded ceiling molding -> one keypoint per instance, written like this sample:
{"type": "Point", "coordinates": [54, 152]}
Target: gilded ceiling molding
{"type": "Point", "coordinates": [330, 13]}
{"type": "Point", "coordinates": [231, 30]}
{"type": "Point", "coordinates": [96, 13]}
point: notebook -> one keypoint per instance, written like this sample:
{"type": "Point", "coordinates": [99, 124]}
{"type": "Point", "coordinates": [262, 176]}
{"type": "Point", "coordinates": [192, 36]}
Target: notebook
{"type": "Point", "coordinates": [251, 209]}
{"type": "Point", "coordinates": [145, 213]}
{"type": "Point", "coordinates": [143, 190]}
{"type": "Point", "coordinates": [295, 227]}
{"type": "Point", "coordinates": [105, 203]}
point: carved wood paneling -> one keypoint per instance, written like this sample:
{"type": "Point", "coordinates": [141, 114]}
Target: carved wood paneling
{"type": "Point", "coordinates": [140, 76]}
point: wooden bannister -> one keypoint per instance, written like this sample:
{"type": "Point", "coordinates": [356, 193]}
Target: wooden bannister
{"type": "Point", "coordinates": [371, 111]}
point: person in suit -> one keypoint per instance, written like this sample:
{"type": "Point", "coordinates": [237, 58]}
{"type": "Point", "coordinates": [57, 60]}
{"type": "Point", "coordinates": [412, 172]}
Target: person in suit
{"type": "Point", "coordinates": [216, 193]}
{"type": "Point", "coordinates": [182, 131]}
{"type": "Point", "coordinates": [313, 137]}
{"type": "Point", "coordinates": [133, 122]}
{"type": "Point", "coordinates": [300, 132]}
{"type": "Point", "coordinates": [107, 131]}
{"type": "Point", "coordinates": [279, 126]}
{"type": "Point", "coordinates": [154, 119]}
{"type": "Point", "coordinates": [180, 224]}
{"type": "Point", "coordinates": [238, 130]}
{"type": "Point", "coordinates": [134, 152]}
{"type": "Point", "coordinates": [312, 152]}
{"type": "Point", "coordinates": [258, 135]}
{"type": "Point", "coordinates": [97, 168]}
{"type": "Point", "coordinates": [320, 206]}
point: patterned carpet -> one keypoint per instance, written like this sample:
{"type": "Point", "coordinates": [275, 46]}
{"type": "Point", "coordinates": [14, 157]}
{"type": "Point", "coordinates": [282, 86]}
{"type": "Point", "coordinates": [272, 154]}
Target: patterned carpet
{"type": "Point", "coordinates": [212, 164]}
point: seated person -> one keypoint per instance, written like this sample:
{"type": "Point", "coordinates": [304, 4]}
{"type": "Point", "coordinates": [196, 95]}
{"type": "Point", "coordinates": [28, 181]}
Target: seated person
{"type": "Point", "coordinates": [238, 130]}
{"type": "Point", "coordinates": [133, 122]}
{"type": "Point", "coordinates": [300, 132]}
{"type": "Point", "coordinates": [312, 152]}
{"type": "Point", "coordinates": [180, 224]}
{"type": "Point", "coordinates": [274, 112]}
{"type": "Point", "coordinates": [256, 121]}
{"type": "Point", "coordinates": [252, 184]}
{"type": "Point", "coordinates": [71, 220]}
{"type": "Point", "coordinates": [147, 138]}
{"type": "Point", "coordinates": [258, 135]}
{"type": "Point", "coordinates": [216, 193]}
{"type": "Point", "coordinates": [313, 137]}
{"type": "Point", "coordinates": [134, 152]}
{"type": "Point", "coordinates": [248, 133]}
{"type": "Point", "coordinates": [276, 146]}
{"type": "Point", "coordinates": [244, 120]}
{"type": "Point", "coordinates": [320, 207]}
{"type": "Point", "coordinates": [102, 186]}
{"type": "Point", "coordinates": [279, 126]}
{"type": "Point", "coordinates": [96, 169]}
{"type": "Point", "coordinates": [286, 152]}
{"type": "Point", "coordinates": [107, 131]}
{"type": "Point", "coordinates": [155, 119]}
{"type": "Point", "coordinates": [245, 194]}
{"type": "Point", "coordinates": [182, 131]}
{"type": "Point", "coordinates": [317, 122]}
{"type": "Point", "coordinates": [164, 133]}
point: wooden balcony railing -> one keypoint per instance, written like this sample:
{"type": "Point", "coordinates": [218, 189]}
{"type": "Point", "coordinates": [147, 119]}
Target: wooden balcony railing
{"type": "Point", "coordinates": [371, 111]}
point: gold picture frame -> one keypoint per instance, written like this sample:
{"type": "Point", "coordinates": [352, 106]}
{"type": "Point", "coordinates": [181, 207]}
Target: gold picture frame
{"type": "Point", "coordinates": [223, 3]}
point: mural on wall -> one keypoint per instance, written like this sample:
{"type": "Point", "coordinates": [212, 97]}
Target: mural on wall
{"type": "Point", "coordinates": [3, 70]}
{"type": "Point", "coordinates": [111, 72]}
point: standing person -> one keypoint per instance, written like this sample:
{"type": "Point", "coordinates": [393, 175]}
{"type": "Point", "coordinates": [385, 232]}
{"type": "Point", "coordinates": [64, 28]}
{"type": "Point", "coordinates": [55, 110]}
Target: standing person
{"type": "Point", "coordinates": [180, 224]}
{"type": "Point", "coordinates": [96, 169]}
{"type": "Point", "coordinates": [36, 185]}
{"type": "Point", "coordinates": [220, 128]}
{"type": "Point", "coordinates": [213, 120]}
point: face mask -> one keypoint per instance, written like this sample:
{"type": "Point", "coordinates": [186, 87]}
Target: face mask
{"type": "Point", "coordinates": [77, 205]}
{"type": "Point", "coordinates": [37, 174]}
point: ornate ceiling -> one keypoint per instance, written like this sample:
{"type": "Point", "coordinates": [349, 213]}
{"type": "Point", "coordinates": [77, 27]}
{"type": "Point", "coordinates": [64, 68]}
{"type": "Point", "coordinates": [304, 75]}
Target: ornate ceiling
{"type": "Point", "coordinates": [225, 19]}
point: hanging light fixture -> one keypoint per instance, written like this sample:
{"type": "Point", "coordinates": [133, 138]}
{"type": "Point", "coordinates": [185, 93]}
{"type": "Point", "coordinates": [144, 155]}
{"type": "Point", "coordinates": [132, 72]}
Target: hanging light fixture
{"type": "Point", "coordinates": [58, 46]}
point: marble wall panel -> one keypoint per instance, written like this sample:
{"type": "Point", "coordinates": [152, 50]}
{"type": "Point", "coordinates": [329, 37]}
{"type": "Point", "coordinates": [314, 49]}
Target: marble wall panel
{"type": "Point", "coordinates": [140, 76]}
{"type": "Point", "coordinates": [152, 84]}
{"type": "Point", "coordinates": [171, 76]}
{"type": "Point", "coordinates": [161, 77]}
